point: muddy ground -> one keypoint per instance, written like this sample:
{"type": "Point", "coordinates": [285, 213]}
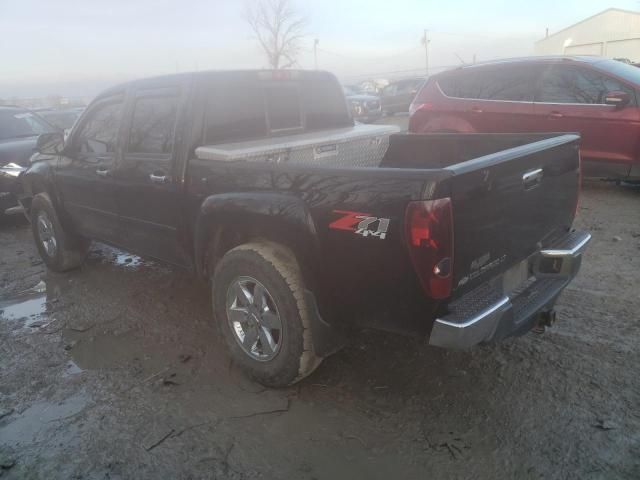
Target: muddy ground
{"type": "Point", "coordinates": [115, 372]}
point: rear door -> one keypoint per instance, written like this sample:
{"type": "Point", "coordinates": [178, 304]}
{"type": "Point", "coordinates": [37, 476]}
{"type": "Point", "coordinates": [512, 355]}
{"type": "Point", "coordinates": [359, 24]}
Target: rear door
{"type": "Point", "coordinates": [571, 99]}
{"type": "Point", "coordinates": [148, 179]}
{"type": "Point", "coordinates": [84, 176]}
{"type": "Point", "coordinates": [492, 99]}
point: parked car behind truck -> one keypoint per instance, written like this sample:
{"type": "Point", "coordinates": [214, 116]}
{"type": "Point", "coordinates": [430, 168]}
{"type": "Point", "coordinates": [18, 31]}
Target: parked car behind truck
{"type": "Point", "coordinates": [397, 96]}
{"type": "Point", "coordinates": [591, 95]}
{"type": "Point", "coordinates": [19, 130]}
{"type": "Point", "coordinates": [307, 224]}
{"type": "Point", "coordinates": [365, 107]}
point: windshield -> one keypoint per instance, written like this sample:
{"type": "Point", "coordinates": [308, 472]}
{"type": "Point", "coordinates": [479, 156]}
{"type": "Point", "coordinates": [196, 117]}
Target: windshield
{"type": "Point", "coordinates": [17, 124]}
{"type": "Point", "coordinates": [622, 70]}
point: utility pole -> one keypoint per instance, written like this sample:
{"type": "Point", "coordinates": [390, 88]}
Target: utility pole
{"type": "Point", "coordinates": [425, 41]}
{"type": "Point", "coordinates": [315, 52]}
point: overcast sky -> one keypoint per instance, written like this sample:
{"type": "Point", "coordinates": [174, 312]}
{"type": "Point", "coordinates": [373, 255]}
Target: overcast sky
{"type": "Point", "coordinates": [78, 47]}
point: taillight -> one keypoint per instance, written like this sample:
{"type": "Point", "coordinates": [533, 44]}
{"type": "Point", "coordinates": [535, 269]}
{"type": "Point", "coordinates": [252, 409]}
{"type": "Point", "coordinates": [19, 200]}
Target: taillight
{"type": "Point", "coordinates": [579, 185]}
{"type": "Point", "coordinates": [429, 234]}
{"type": "Point", "coordinates": [414, 107]}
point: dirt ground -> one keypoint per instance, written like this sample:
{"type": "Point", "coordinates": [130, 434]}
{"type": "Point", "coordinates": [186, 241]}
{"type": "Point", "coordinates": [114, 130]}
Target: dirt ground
{"type": "Point", "coordinates": [115, 372]}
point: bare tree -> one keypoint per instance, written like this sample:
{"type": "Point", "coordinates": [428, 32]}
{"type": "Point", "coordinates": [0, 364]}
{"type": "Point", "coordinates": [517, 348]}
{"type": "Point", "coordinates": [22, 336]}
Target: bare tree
{"type": "Point", "coordinates": [279, 29]}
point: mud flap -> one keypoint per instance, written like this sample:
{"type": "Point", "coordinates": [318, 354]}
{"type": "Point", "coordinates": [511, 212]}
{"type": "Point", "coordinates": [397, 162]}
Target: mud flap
{"type": "Point", "coordinates": [327, 339]}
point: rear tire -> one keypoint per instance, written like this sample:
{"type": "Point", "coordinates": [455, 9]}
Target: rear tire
{"type": "Point", "coordinates": [60, 249]}
{"type": "Point", "coordinates": [258, 287]}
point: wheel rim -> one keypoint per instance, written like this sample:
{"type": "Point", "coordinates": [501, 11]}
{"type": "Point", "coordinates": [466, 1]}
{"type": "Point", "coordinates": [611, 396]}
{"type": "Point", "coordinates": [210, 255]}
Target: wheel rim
{"type": "Point", "coordinates": [254, 319]}
{"type": "Point", "coordinates": [47, 234]}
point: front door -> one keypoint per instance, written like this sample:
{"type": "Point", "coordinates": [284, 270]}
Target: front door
{"type": "Point", "coordinates": [148, 181]}
{"type": "Point", "coordinates": [571, 99]}
{"type": "Point", "coordinates": [85, 172]}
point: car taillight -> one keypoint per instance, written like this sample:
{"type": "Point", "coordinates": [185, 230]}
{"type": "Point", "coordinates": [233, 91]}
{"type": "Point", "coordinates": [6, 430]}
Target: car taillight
{"type": "Point", "coordinates": [429, 235]}
{"type": "Point", "coordinates": [414, 107]}
{"type": "Point", "coordinates": [579, 185]}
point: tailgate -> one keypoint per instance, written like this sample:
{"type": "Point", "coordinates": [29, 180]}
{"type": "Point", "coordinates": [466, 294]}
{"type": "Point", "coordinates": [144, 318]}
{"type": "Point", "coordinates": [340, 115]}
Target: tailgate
{"type": "Point", "coordinates": [510, 204]}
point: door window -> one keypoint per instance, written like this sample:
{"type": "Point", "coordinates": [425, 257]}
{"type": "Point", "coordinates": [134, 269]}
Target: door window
{"type": "Point", "coordinates": [573, 85]}
{"type": "Point", "coordinates": [389, 90]}
{"type": "Point", "coordinates": [506, 84]}
{"type": "Point", "coordinates": [99, 133]}
{"type": "Point", "coordinates": [153, 125]}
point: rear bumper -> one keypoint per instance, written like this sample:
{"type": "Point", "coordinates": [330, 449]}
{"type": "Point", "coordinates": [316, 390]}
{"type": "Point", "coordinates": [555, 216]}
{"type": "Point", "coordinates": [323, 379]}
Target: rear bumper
{"type": "Point", "coordinates": [488, 314]}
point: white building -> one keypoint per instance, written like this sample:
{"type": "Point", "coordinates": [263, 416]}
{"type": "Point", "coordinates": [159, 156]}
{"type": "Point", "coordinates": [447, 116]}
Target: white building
{"type": "Point", "coordinates": [613, 33]}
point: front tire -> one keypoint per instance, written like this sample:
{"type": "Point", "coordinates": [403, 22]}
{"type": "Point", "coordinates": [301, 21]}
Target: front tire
{"type": "Point", "coordinates": [260, 311]}
{"type": "Point", "coordinates": [60, 249]}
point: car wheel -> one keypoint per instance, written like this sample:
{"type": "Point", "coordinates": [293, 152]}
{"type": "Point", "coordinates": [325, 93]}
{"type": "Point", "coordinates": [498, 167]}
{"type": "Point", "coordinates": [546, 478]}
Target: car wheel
{"type": "Point", "coordinates": [261, 313]}
{"type": "Point", "coordinates": [60, 250]}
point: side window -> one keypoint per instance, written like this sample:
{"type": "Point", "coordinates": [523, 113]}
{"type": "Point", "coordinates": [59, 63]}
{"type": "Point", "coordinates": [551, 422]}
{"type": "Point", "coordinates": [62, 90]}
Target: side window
{"type": "Point", "coordinates": [409, 86]}
{"type": "Point", "coordinates": [153, 125]}
{"type": "Point", "coordinates": [389, 90]}
{"type": "Point", "coordinates": [99, 133]}
{"type": "Point", "coordinates": [573, 85]}
{"type": "Point", "coordinates": [506, 84]}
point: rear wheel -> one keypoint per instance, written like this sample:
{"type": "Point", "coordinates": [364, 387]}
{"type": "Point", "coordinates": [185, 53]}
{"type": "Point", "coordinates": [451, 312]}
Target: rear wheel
{"type": "Point", "coordinates": [60, 249]}
{"type": "Point", "coordinates": [262, 315]}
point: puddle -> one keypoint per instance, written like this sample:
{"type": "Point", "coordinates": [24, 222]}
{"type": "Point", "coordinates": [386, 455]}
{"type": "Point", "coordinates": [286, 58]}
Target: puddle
{"type": "Point", "coordinates": [71, 369]}
{"type": "Point", "coordinates": [39, 418]}
{"type": "Point", "coordinates": [105, 351]}
{"type": "Point", "coordinates": [128, 260]}
{"type": "Point", "coordinates": [30, 306]}
{"type": "Point", "coordinates": [120, 258]}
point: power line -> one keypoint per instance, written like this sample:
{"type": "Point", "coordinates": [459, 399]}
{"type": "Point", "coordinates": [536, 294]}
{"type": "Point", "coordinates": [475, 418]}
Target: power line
{"type": "Point", "coordinates": [394, 72]}
{"type": "Point", "coordinates": [368, 58]}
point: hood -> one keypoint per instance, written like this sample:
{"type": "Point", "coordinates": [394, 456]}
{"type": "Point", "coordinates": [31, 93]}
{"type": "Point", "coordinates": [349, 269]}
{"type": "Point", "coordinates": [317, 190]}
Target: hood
{"type": "Point", "coordinates": [17, 150]}
{"type": "Point", "coordinates": [362, 97]}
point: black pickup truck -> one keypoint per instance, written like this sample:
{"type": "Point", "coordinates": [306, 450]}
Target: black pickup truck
{"type": "Point", "coordinates": [307, 224]}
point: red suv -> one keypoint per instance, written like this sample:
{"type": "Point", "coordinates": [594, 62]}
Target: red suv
{"type": "Point", "coordinates": [591, 95]}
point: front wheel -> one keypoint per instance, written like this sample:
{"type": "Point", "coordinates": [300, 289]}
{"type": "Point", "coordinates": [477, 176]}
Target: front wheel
{"type": "Point", "coordinates": [260, 310]}
{"type": "Point", "coordinates": [60, 249]}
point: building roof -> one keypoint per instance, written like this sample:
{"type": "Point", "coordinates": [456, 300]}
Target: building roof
{"type": "Point", "coordinates": [589, 18]}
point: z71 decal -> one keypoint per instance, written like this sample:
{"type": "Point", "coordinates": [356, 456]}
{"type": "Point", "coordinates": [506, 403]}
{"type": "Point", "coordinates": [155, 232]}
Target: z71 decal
{"type": "Point", "coordinates": [361, 224]}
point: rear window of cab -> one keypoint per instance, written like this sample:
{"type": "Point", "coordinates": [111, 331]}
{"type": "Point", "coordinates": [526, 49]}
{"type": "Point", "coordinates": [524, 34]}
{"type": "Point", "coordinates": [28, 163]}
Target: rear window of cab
{"type": "Point", "coordinates": [245, 108]}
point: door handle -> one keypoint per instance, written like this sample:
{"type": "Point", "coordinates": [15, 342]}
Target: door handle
{"type": "Point", "coordinates": [555, 115]}
{"type": "Point", "coordinates": [532, 179]}
{"type": "Point", "coordinates": [158, 178]}
{"type": "Point", "coordinates": [102, 172]}
{"type": "Point", "coordinates": [476, 110]}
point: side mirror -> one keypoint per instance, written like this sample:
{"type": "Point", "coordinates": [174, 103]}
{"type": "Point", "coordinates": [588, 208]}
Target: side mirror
{"type": "Point", "coordinates": [50, 143]}
{"type": "Point", "coordinates": [617, 98]}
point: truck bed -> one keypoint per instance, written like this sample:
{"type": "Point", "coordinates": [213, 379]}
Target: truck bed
{"type": "Point", "coordinates": [499, 219]}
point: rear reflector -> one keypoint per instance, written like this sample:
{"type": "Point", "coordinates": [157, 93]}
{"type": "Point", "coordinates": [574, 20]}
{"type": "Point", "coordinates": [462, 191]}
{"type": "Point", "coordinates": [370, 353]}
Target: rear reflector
{"type": "Point", "coordinates": [429, 235]}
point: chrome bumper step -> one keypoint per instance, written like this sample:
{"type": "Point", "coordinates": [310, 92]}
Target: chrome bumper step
{"type": "Point", "coordinates": [487, 313]}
